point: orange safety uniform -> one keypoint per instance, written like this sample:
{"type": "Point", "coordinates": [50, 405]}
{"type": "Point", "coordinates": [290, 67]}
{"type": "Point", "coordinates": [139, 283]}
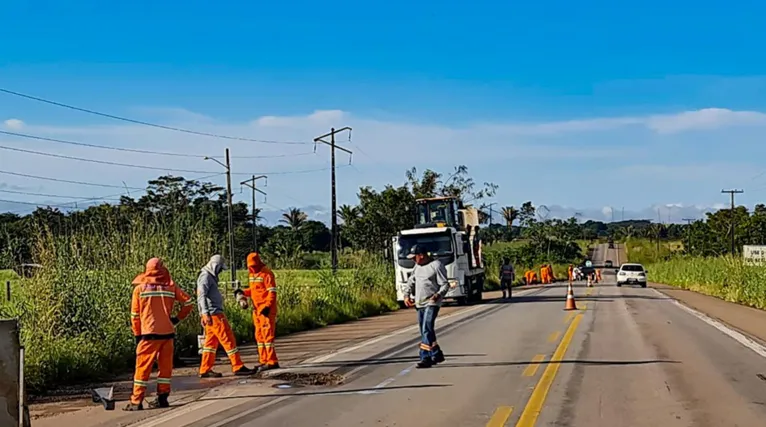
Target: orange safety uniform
{"type": "Point", "coordinates": [598, 275]}
{"type": "Point", "coordinates": [551, 277]}
{"type": "Point", "coordinates": [545, 274]}
{"type": "Point", "coordinates": [530, 276]}
{"type": "Point", "coordinates": [154, 296]}
{"type": "Point", "coordinates": [570, 273]}
{"type": "Point", "coordinates": [263, 291]}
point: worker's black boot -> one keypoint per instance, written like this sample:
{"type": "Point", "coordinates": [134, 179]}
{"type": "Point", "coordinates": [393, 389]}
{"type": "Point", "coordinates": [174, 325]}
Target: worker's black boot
{"type": "Point", "coordinates": [161, 402]}
{"type": "Point", "coordinates": [439, 358]}
{"type": "Point", "coordinates": [425, 363]}
{"type": "Point", "coordinates": [211, 374]}
{"type": "Point", "coordinates": [244, 371]}
{"type": "Point", "coordinates": [133, 407]}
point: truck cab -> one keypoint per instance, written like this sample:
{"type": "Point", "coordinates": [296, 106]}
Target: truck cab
{"type": "Point", "coordinates": [449, 231]}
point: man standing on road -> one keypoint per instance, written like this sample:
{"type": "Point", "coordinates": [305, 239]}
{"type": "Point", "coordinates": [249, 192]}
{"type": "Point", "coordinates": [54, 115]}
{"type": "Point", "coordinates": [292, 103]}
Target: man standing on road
{"type": "Point", "coordinates": [428, 282]}
{"type": "Point", "coordinates": [507, 276]}
{"type": "Point", "coordinates": [263, 291]}
{"type": "Point", "coordinates": [217, 328]}
{"type": "Point", "coordinates": [154, 296]}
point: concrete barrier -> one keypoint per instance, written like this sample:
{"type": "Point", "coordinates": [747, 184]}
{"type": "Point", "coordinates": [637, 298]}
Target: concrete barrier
{"type": "Point", "coordinates": [9, 374]}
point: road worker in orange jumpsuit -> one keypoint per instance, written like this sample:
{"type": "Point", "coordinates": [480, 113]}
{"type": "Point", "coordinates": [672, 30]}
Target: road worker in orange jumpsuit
{"type": "Point", "coordinates": [550, 274]}
{"type": "Point", "coordinates": [530, 276]}
{"type": "Point", "coordinates": [570, 273]}
{"type": "Point", "coordinates": [154, 295]}
{"type": "Point", "coordinates": [213, 319]}
{"type": "Point", "coordinates": [263, 292]}
{"type": "Point", "coordinates": [598, 275]}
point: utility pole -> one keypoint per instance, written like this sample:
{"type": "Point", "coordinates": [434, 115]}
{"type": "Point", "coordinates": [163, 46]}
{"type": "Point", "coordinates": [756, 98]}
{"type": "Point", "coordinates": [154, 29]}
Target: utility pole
{"type": "Point", "coordinates": [490, 213]}
{"type": "Point", "coordinates": [659, 225]}
{"type": "Point", "coordinates": [232, 263]}
{"type": "Point", "coordinates": [251, 183]}
{"type": "Point", "coordinates": [333, 147]}
{"type": "Point", "coordinates": [611, 209]}
{"type": "Point", "coordinates": [689, 228]}
{"type": "Point", "coordinates": [732, 193]}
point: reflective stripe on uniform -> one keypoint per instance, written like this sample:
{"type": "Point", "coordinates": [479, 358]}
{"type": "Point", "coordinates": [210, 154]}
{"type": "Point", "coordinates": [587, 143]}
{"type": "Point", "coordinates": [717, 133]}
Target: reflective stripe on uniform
{"type": "Point", "coordinates": [268, 344]}
{"type": "Point", "coordinates": [208, 350]}
{"type": "Point", "coordinates": [139, 383]}
{"type": "Point", "coordinates": [150, 294]}
{"type": "Point", "coordinates": [425, 347]}
{"type": "Point", "coordinates": [271, 289]}
{"type": "Point", "coordinates": [135, 314]}
{"type": "Point", "coordinates": [190, 302]}
{"type": "Point", "coordinates": [234, 350]}
{"type": "Point", "coordinates": [163, 380]}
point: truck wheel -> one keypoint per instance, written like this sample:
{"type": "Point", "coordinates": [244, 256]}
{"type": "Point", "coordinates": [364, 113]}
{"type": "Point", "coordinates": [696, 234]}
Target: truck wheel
{"type": "Point", "coordinates": [461, 300]}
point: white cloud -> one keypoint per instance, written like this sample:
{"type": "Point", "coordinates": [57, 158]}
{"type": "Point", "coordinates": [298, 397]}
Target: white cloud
{"type": "Point", "coordinates": [14, 124]}
{"type": "Point", "coordinates": [708, 118]}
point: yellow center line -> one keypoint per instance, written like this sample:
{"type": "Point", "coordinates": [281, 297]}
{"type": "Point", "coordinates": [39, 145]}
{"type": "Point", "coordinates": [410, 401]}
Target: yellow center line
{"type": "Point", "coordinates": [535, 404]}
{"type": "Point", "coordinates": [554, 336]}
{"type": "Point", "coordinates": [500, 416]}
{"type": "Point", "coordinates": [532, 368]}
{"type": "Point", "coordinates": [570, 316]}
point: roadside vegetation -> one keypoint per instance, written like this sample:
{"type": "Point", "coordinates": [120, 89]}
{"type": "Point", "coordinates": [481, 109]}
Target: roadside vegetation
{"type": "Point", "coordinates": [74, 309]}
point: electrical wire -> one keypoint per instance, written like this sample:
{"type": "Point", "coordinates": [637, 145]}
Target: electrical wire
{"type": "Point", "coordinates": [103, 162]}
{"type": "Point", "coordinates": [92, 184]}
{"type": "Point", "coordinates": [134, 150]}
{"type": "Point", "coordinates": [49, 195]}
{"type": "Point", "coordinates": [140, 122]}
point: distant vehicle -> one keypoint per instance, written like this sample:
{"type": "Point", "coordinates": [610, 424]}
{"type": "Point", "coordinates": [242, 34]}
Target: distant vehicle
{"type": "Point", "coordinates": [608, 264]}
{"type": "Point", "coordinates": [611, 244]}
{"type": "Point", "coordinates": [631, 274]}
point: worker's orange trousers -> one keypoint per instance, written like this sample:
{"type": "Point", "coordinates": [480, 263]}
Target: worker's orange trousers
{"type": "Point", "coordinates": [265, 330]}
{"type": "Point", "coordinates": [147, 352]}
{"type": "Point", "coordinates": [219, 332]}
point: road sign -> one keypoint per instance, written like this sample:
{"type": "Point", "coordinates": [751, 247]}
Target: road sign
{"type": "Point", "coordinates": [754, 254]}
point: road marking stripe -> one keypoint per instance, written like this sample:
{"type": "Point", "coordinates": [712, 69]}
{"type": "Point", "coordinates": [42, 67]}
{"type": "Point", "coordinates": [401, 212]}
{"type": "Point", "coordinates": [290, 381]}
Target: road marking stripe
{"type": "Point", "coordinates": [500, 416]}
{"type": "Point", "coordinates": [583, 306]}
{"type": "Point", "coordinates": [532, 368]}
{"type": "Point", "coordinates": [570, 316]}
{"type": "Point", "coordinates": [553, 337]}
{"type": "Point", "coordinates": [737, 336]}
{"type": "Point", "coordinates": [535, 404]}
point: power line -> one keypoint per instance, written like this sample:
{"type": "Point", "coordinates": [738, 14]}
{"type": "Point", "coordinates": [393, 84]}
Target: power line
{"type": "Point", "coordinates": [92, 184]}
{"type": "Point", "coordinates": [288, 172]}
{"type": "Point", "coordinates": [103, 162]}
{"type": "Point", "coordinates": [134, 150]}
{"type": "Point", "coordinates": [140, 122]}
{"type": "Point", "coordinates": [48, 195]}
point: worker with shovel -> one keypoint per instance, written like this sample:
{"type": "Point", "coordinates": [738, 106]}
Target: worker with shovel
{"type": "Point", "coordinates": [428, 282]}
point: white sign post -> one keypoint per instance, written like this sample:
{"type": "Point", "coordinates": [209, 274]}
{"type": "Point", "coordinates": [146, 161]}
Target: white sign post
{"type": "Point", "coordinates": [754, 254]}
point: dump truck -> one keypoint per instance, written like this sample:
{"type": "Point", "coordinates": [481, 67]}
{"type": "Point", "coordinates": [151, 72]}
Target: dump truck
{"type": "Point", "coordinates": [449, 231]}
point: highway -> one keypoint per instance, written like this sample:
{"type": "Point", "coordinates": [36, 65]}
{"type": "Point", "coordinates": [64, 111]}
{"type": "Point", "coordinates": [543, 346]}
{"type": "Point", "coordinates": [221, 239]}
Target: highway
{"type": "Point", "coordinates": [627, 357]}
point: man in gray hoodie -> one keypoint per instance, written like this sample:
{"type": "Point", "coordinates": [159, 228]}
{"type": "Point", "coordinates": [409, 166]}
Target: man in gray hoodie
{"type": "Point", "coordinates": [428, 283]}
{"type": "Point", "coordinates": [217, 328]}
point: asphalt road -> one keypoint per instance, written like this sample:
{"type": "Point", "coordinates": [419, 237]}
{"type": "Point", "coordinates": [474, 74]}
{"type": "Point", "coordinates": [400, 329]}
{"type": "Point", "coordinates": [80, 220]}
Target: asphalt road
{"type": "Point", "coordinates": [627, 357]}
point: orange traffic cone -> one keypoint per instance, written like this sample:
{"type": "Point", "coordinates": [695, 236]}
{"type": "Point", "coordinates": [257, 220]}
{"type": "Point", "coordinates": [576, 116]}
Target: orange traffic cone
{"type": "Point", "coordinates": [570, 300]}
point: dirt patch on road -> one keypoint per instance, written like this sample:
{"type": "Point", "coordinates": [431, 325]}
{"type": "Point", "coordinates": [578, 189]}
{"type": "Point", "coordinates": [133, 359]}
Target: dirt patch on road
{"type": "Point", "coordinates": [308, 378]}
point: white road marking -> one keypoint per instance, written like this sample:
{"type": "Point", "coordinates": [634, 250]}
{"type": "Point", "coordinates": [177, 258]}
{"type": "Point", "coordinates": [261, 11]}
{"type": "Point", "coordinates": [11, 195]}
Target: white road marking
{"type": "Point", "coordinates": [737, 336]}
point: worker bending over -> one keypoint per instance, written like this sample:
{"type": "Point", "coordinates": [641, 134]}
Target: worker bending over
{"type": "Point", "coordinates": [530, 277]}
{"type": "Point", "coordinates": [154, 295]}
{"type": "Point", "coordinates": [507, 276]}
{"type": "Point", "coordinates": [428, 283]}
{"type": "Point", "coordinates": [213, 319]}
{"type": "Point", "coordinates": [263, 292]}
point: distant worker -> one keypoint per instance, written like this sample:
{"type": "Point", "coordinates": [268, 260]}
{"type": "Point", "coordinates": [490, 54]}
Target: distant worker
{"type": "Point", "coordinates": [598, 275]}
{"type": "Point", "coordinates": [551, 277]}
{"type": "Point", "coordinates": [213, 319]}
{"type": "Point", "coordinates": [428, 283]}
{"type": "Point", "coordinates": [154, 296]}
{"type": "Point", "coordinates": [543, 274]}
{"type": "Point", "coordinates": [570, 273]}
{"type": "Point", "coordinates": [530, 277]}
{"type": "Point", "coordinates": [263, 292]}
{"type": "Point", "coordinates": [507, 276]}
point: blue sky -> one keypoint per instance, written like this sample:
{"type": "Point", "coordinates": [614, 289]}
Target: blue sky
{"type": "Point", "coordinates": [580, 105]}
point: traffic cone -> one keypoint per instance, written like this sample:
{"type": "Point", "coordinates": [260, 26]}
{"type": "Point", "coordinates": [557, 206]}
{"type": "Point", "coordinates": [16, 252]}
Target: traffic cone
{"type": "Point", "coordinates": [570, 299]}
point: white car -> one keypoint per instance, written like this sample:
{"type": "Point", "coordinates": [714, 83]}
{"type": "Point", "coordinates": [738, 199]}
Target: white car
{"type": "Point", "coordinates": [631, 273]}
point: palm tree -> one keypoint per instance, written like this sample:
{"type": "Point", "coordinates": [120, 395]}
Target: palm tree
{"type": "Point", "coordinates": [510, 214]}
{"type": "Point", "coordinates": [295, 218]}
{"type": "Point", "coordinates": [348, 213]}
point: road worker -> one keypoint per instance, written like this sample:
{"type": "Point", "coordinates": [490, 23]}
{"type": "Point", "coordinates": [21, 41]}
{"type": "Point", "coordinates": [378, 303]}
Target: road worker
{"type": "Point", "coordinates": [507, 276]}
{"type": "Point", "coordinates": [598, 275]}
{"type": "Point", "coordinates": [570, 273]}
{"type": "Point", "coordinates": [429, 285]}
{"type": "Point", "coordinates": [263, 292]}
{"type": "Point", "coordinates": [213, 319]}
{"type": "Point", "coordinates": [151, 307]}
{"type": "Point", "coordinates": [530, 277]}
{"type": "Point", "coordinates": [551, 278]}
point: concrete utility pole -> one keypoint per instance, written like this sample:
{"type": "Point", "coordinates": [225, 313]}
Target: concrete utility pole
{"type": "Point", "coordinates": [232, 263]}
{"type": "Point", "coordinates": [490, 212]}
{"type": "Point", "coordinates": [732, 193]}
{"type": "Point", "coordinates": [251, 183]}
{"type": "Point", "coordinates": [333, 147]}
{"type": "Point", "coordinates": [689, 222]}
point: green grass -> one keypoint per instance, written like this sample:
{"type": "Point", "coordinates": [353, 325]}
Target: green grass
{"type": "Point", "coordinates": [645, 251]}
{"type": "Point", "coordinates": [74, 313]}
{"type": "Point", "coordinates": [725, 277]}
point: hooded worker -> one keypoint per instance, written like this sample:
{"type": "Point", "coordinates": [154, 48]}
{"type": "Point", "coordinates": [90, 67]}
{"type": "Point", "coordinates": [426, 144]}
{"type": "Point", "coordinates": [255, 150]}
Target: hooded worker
{"type": "Point", "coordinates": [213, 319]}
{"type": "Point", "coordinates": [570, 273]}
{"type": "Point", "coordinates": [530, 276]}
{"type": "Point", "coordinates": [263, 292]}
{"type": "Point", "coordinates": [154, 295]}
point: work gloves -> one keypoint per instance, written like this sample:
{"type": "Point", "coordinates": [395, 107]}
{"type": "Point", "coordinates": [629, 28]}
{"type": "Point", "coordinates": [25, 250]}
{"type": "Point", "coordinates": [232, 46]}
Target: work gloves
{"type": "Point", "coordinates": [265, 311]}
{"type": "Point", "coordinates": [174, 320]}
{"type": "Point", "coordinates": [241, 299]}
